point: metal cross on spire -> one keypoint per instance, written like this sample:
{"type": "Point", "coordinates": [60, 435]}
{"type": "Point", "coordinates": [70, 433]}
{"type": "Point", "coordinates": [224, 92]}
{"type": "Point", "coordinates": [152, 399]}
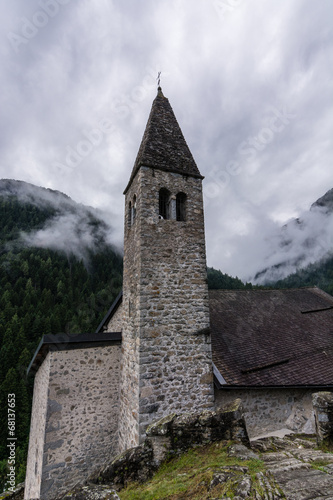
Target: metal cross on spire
{"type": "Point", "coordinates": [158, 79]}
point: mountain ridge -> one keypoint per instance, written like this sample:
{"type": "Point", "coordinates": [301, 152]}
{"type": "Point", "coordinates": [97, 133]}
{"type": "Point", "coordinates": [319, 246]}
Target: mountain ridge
{"type": "Point", "coordinates": [70, 227]}
{"type": "Point", "coordinates": [301, 242]}
{"type": "Point", "coordinates": [325, 201]}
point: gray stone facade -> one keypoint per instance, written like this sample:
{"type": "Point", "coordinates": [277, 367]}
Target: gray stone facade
{"type": "Point", "coordinates": [268, 410]}
{"type": "Point", "coordinates": [74, 418]}
{"type": "Point", "coordinates": [116, 323]}
{"type": "Point", "coordinates": [167, 363]}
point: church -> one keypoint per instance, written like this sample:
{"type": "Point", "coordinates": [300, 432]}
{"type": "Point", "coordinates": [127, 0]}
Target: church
{"type": "Point", "coordinates": [167, 344]}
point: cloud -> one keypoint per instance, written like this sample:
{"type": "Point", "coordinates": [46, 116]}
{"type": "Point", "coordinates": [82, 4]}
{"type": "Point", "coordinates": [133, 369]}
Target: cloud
{"type": "Point", "coordinates": [71, 233]}
{"type": "Point", "coordinates": [266, 251]}
{"type": "Point", "coordinates": [300, 243]}
{"type": "Point", "coordinates": [224, 71]}
{"type": "Point", "coordinates": [71, 228]}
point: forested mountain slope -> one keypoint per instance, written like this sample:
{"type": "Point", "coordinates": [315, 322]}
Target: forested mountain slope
{"type": "Point", "coordinates": [319, 274]}
{"type": "Point", "coordinates": [64, 288]}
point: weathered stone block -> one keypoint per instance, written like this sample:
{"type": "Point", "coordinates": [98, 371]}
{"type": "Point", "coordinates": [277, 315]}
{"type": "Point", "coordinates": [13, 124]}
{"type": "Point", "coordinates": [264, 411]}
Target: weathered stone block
{"type": "Point", "coordinates": [323, 408]}
{"type": "Point", "coordinates": [161, 427]}
{"type": "Point", "coordinates": [135, 464]}
{"type": "Point", "coordinates": [190, 429]}
{"type": "Point", "coordinates": [231, 423]}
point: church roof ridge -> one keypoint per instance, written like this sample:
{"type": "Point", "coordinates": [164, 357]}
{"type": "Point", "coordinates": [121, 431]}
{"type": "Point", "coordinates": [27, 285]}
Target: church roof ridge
{"type": "Point", "coordinates": [163, 145]}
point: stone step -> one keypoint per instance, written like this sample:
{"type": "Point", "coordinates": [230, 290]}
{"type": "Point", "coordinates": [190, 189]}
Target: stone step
{"type": "Point", "coordinates": [294, 466]}
{"type": "Point", "coordinates": [287, 465]}
{"type": "Point", "coordinates": [303, 482]}
{"type": "Point", "coordinates": [313, 456]}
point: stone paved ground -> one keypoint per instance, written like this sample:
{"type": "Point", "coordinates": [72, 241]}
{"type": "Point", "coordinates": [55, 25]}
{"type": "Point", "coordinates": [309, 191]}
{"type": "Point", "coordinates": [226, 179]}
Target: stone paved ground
{"type": "Point", "coordinates": [300, 471]}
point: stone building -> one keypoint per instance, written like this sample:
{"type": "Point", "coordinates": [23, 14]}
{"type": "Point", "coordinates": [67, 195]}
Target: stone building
{"type": "Point", "coordinates": [273, 349]}
{"type": "Point", "coordinates": [74, 421]}
{"type": "Point", "coordinates": [166, 344]}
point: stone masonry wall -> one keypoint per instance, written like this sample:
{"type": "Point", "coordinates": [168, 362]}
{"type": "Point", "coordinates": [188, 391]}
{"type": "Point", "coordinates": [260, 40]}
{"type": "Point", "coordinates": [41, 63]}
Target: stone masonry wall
{"type": "Point", "coordinates": [82, 416]}
{"type": "Point", "coordinates": [129, 383]}
{"type": "Point", "coordinates": [167, 362]}
{"type": "Point", "coordinates": [116, 322]}
{"type": "Point", "coordinates": [37, 432]}
{"type": "Point", "coordinates": [267, 410]}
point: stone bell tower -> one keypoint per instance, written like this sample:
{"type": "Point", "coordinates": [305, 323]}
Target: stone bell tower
{"type": "Point", "coordinates": [166, 360]}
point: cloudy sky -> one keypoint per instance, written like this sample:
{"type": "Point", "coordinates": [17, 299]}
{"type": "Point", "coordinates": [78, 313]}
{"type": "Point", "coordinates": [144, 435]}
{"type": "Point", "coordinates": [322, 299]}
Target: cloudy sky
{"type": "Point", "coordinates": [250, 82]}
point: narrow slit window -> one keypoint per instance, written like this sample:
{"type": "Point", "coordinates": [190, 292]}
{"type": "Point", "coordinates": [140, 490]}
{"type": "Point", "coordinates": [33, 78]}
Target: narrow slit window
{"type": "Point", "coordinates": [164, 198]}
{"type": "Point", "coordinates": [129, 215]}
{"type": "Point", "coordinates": [134, 209]}
{"type": "Point", "coordinates": [181, 206]}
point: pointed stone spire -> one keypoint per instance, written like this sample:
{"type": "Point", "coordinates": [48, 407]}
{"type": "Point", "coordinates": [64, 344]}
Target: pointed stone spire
{"type": "Point", "coordinates": [163, 145]}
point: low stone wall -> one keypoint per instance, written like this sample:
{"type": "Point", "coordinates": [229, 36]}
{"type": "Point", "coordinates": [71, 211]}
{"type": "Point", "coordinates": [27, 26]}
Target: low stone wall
{"type": "Point", "coordinates": [268, 410]}
{"type": "Point", "coordinates": [173, 435]}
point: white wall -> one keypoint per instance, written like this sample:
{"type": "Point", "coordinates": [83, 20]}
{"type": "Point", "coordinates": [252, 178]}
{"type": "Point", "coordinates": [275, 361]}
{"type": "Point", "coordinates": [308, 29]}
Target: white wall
{"type": "Point", "coordinates": [267, 410]}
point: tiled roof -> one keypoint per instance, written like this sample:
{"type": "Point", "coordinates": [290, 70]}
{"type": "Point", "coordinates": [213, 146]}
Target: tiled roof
{"type": "Point", "coordinates": [273, 337]}
{"type": "Point", "coordinates": [163, 145]}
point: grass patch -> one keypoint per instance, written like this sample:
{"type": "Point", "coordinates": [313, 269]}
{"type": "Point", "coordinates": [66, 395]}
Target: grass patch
{"type": "Point", "coordinates": [327, 447]}
{"type": "Point", "coordinates": [190, 475]}
{"type": "Point", "coordinates": [320, 464]}
{"type": "Point", "coordinates": [319, 467]}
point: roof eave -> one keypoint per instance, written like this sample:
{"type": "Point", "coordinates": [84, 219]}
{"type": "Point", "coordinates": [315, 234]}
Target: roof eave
{"type": "Point", "coordinates": [171, 170]}
{"type": "Point", "coordinates": [229, 387]}
{"type": "Point", "coordinates": [63, 342]}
